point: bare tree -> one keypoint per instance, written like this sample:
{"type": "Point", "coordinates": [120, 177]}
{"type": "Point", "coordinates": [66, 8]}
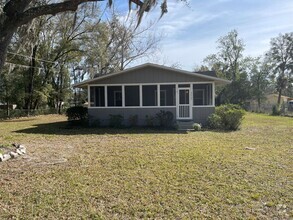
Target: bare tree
{"type": "Point", "coordinates": [113, 45]}
{"type": "Point", "coordinates": [15, 13]}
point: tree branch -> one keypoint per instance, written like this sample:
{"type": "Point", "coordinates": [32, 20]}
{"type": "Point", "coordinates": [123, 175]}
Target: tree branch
{"type": "Point", "coordinates": [13, 7]}
{"type": "Point", "coordinates": [51, 9]}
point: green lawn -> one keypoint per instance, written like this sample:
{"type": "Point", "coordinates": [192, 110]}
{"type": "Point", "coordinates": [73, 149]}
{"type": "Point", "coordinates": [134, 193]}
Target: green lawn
{"type": "Point", "coordinates": [131, 174]}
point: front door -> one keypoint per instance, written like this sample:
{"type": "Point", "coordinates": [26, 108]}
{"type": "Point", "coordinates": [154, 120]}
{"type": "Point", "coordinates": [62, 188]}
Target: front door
{"type": "Point", "coordinates": [184, 107]}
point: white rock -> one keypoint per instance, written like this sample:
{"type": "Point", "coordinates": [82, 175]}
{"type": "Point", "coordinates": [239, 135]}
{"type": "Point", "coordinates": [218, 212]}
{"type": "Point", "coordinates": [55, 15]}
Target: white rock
{"type": "Point", "coordinates": [13, 154]}
{"type": "Point", "coordinates": [23, 150]}
{"type": "Point", "coordinates": [6, 157]}
{"type": "Point", "coordinates": [249, 148]}
{"type": "Point", "coordinates": [21, 146]}
{"type": "Point", "coordinates": [19, 152]}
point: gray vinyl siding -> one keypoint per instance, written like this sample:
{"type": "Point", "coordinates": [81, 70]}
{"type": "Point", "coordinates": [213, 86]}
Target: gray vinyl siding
{"type": "Point", "coordinates": [201, 114]}
{"type": "Point", "coordinates": [103, 114]}
{"type": "Point", "coordinates": [150, 75]}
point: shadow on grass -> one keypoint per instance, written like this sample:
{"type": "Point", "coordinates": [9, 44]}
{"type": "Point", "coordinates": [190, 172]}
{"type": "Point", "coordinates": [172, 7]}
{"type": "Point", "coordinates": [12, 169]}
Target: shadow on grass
{"type": "Point", "coordinates": [16, 120]}
{"type": "Point", "coordinates": [62, 128]}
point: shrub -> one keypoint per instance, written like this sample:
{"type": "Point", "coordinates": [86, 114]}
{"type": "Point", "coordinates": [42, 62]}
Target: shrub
{"type": "Point", "coordinates": [196, 127]}
{"type": "Point", "coordinates": [96, 123]}
{"type": "Point", "coordinates": [226, 117]}
{"type": "Point", "coordinates": [215, 121]}
{"type": "Point", "coordinates": [176, 126]}
{"type": "Point", "coordinates": [276, 110]}
{"type": "Point", "coordinates": [77, 115]}
{"type": "Point", "coordinates": [116, 121]}
{"type": "Point", "coordinates": [133, 120]}
{"type": "Point", "coordinates": [165, 119]}
{"type": "Point", "coordinates": [149, 121]}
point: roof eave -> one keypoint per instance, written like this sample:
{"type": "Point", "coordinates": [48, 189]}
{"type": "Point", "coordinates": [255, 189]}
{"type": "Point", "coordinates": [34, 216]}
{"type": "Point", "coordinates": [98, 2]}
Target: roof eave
{"type": "Point", "coordinates": [84, 84]}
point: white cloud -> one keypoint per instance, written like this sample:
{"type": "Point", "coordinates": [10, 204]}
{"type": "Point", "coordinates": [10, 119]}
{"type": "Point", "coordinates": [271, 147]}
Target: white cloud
{"type": "Point", "coordinates": [191, 32]}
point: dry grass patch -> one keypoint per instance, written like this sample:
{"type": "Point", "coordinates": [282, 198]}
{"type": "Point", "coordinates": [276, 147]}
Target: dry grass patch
{"type": "Point", "coordinates": [126, 174]}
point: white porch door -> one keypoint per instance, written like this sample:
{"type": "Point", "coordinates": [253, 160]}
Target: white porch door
{"type": "Point", "coordinates": [184, 104]}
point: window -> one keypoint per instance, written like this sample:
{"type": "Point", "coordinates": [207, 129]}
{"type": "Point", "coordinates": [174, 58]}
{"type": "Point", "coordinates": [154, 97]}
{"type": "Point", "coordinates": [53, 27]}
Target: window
{"type": "Point", "coordinates": [184, 85]}
{"type": "Point", "coordinates": [97, 96]}
{"type": "Point", "coordinates": [202, 94]}
{"type": "Point", "coordinates": [167, 95]}
{"type": "Point", "coordinates": [114, 95]}
{"type": "Point", "coordinates": [131, 95]}
{"type": "Point", "coordinates": [149, 95]}
{"type": "Point", "coordinates": [184, 96]}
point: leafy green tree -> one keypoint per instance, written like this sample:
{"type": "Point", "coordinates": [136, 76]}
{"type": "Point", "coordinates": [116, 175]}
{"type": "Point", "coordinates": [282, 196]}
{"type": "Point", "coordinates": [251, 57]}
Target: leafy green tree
{"type": "Point", "coordinates": [228, 59]}
{"type": "Point", "coordinates": [50, 45]}
{"type": "Point", "coordinates": [115, 44]}
{"type": "Point", "coordinates": [259, 78]}
{"type": "Point", "coordinates": [16, 13]}
{"type": "Point", "coordinates": [280, 59]}
{"type": "Point", "coordinates": [230, 63]}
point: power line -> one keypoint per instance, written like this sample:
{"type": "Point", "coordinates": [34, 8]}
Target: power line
{"type": "Point", "coordinates": [17, 54]}
{"type": "Point", "coordinates": [40, 68]}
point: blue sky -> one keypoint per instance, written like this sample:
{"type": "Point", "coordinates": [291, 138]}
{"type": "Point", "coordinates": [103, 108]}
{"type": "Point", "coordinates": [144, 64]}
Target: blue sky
{"type": "Point", "coordinates": [190, 33]}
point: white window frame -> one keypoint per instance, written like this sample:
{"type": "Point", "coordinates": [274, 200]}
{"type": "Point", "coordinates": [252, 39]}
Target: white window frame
{"type": "Point", "coordinates": [140, 97]}
{"type": "Point", "coordinates": [213, 94]}
{"type": "Point", "coordinates": [157, 104]}
{"type": "Point", "coordinates": [203, 95]}
{"type": "Point", "coordinates": [158, 84]}
{"type": "Point", "coordinates": [115, 98]}
{"type": "Point", "coordinates": [165, 96]}
{"type": "Point", "coordinates": [190, 104]}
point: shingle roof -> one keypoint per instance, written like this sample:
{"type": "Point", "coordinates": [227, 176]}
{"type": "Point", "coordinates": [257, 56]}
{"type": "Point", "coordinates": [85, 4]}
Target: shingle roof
{"type": "Point", "coordinates": [212, 76]}
{"type": "Point", "coordinates": [207, 73]}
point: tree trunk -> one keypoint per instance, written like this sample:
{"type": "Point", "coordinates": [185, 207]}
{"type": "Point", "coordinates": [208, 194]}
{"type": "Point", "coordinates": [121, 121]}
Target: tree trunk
{"type": "Point", "coordinates": [15, 14]}
{"type": "Point", "coordinates": [7, 108]}
{"type": "Point", "coordinates": [6, 34]}
{"type": "Point", "coordinates": [258, 104]}
{"type": "Point", "coordinates": [31, 77]}
{"type": "Point", "coordinates": [279, 97]}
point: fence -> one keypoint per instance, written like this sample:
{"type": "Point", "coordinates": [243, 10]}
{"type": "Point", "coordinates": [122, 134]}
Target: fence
{"type": "Point", "coordinates": [286, 108]}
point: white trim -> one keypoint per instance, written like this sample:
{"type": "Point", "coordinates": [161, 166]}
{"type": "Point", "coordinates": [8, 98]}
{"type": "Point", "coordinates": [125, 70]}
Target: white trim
{"type": "Point", "coordinates": [213, 94]}
{"type": "Point", "coordinates": [115, 98]}
{"type": "Point", "coordinates": [189, 104]}
{"type": "Point", "coordinates": [203, 94]}
{"type": "Point", "coordinates": [177, 100]}
{"type": "Point", "coordinates": [134, 107]}
{"type": "Point", "coordinates": [123, 95]}
{"type": "Point", "coordinates": [140, 95]}
{"type": "Point", "coordinates": [195, 106]}
{"type": "Point", "coordinates": [202, 106]}
{"type": "Point", "coordinates": [106, 95]}
{"type": "Point", "coordinates": [88, 96]}
{"type": "Point", "coordinates": [158, 94]}
{"type": "Point", "coordinates": [165, 96]}
{"type": "Point", "coordinates": [137, 84]}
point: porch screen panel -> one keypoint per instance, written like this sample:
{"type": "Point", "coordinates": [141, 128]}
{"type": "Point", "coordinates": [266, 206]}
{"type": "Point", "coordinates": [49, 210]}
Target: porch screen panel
{"type": "Point", "coordinates": [97, 96]}
{"type": "Point", "coordinates": [149, 95]}
{"type": "Point", "coordinates": [114, 95]}
{"type": "Point", "coordinates": [131, 95]}
{"type": "Point", "coordinates": [167, 95]}
{"type": "Point", "coordinates": [203, 94]}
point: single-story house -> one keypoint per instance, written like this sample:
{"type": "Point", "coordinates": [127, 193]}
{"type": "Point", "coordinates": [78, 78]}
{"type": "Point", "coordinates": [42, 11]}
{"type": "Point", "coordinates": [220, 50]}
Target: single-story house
{"type": "Point", "coordinates": [270, 101]}
{"type": "Point", "coordinates": [10, 106]}
{"type": "Point", "coordinates": [146, 89]}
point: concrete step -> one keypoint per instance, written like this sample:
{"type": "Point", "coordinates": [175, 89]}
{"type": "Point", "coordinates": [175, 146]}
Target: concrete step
{"type": "Point", "coordinates": [185, 125]}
